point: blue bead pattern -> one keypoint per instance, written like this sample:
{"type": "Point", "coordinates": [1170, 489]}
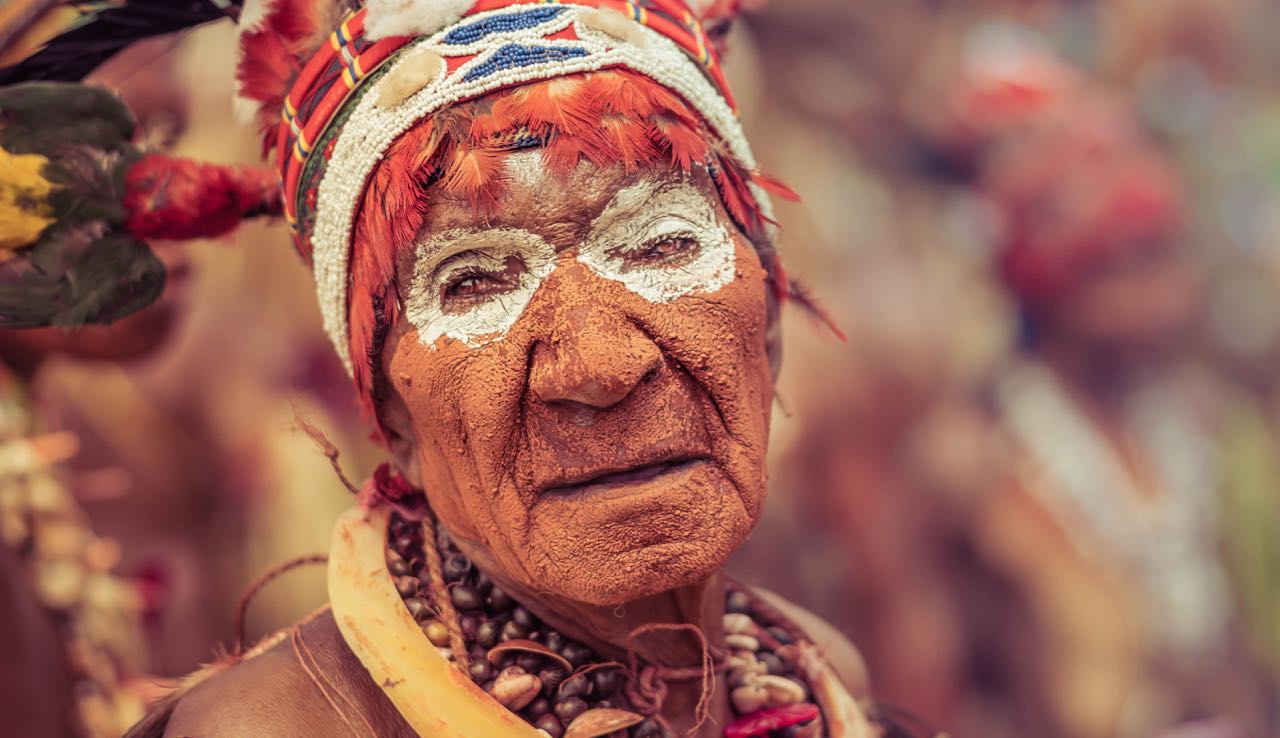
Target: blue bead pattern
{"type": "Point", "coordinates": [514, 56]}
{"type": "Point", "coordinates": [505, 23]}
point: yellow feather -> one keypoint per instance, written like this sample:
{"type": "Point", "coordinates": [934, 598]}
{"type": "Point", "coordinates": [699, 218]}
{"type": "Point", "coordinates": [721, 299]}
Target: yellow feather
{"type": "Point", "coordinates": [24, 208]}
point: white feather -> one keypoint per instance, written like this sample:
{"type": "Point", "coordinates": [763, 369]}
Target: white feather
{"type": "Point", "coordinates": [386, 18]}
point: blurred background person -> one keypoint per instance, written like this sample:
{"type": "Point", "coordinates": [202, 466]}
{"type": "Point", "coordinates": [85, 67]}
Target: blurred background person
{"type": "Point", "coordinates": [1109, 516]}
{"type": "Point", "coordinates": [983, 597]}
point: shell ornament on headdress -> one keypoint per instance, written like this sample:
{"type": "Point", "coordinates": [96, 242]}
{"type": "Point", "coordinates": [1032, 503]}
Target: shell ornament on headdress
{"type": "Point", "coordinates": [335, 85]}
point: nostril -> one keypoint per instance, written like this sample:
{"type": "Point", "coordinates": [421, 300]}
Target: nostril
{"type": "Point", "coordinates": [650, 375]}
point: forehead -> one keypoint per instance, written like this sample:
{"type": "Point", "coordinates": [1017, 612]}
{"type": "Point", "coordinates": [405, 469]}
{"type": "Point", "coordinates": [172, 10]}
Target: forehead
{"type": "Point", "coordinates": [561, 208]}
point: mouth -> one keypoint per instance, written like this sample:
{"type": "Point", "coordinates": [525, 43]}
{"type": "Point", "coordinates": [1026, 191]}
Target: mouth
{"type": "Point", "coordinates": [619, 483]}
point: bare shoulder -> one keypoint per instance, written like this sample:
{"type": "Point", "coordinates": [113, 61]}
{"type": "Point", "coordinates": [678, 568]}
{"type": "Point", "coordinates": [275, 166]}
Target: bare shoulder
{"type": "Point", "coordinates": [839, 650]}
{"type": "Point", "coordinates": [305, 686]}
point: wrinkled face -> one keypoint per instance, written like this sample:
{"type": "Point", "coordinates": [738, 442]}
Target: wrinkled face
{"type": "Point", "coordinates": [583, 386]}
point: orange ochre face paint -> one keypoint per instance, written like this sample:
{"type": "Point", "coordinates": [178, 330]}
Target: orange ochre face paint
{"type": "Point", "coordinates": [609, 442]}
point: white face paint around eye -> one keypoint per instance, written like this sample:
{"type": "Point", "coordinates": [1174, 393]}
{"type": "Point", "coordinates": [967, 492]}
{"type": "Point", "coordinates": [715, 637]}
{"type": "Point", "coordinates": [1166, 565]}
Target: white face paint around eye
{"type": "Point", "coordinates": [662, 240]}
{"type": "Point", "coordinates": [472, 285]}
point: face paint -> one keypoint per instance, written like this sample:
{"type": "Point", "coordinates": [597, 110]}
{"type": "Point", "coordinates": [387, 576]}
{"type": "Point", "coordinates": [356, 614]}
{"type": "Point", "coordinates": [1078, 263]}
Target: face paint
{"type": "Point", "coordinates": [611, 445]}
{"type": "Point", "coordinates": [472, 285]}
{"type": "Point", "coordinates": [661, 240]}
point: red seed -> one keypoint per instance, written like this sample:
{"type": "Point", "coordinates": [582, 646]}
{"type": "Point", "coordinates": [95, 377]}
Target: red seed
{"type": "Point", "coordinates": [763, 722]}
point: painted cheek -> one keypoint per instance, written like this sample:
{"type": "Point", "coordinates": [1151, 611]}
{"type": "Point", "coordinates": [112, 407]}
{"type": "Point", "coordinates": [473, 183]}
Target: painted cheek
{"type": "Point", "coordinates": [463, 408]}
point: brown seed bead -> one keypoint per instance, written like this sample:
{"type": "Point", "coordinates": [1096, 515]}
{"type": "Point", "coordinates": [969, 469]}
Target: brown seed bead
{"type": "Point", "coordinates": [500, 600]}
{"type": "Point", "coordinates": [465, 598]}
{"type": "Point", "coordinates": [552, 677]}
{"type": "Point", "coordinates": [481, 671]}
{"type": "Point", "coordinates": [538, 708]}
{"type": "Point", "coordinates": [456, 567]}
{"type": "Point", "coordinates": [551, 724]}
{"type": "Point", "coordinates": [398, 566]}
{"type": "Point", "coordinates": [437, 633]}
{"type": "Point", "coordinates": [576, 686]}
{"type": "Point", "coordinates": [576, 654]}
{"type": "Point", "coordinates": [407, 586]}
{"type": "Point", "coordinates": [530, 662]}
{"type": "Point", "coordinates": [649, 728]}
{"type": "Point", "coordinates": [483, 583]}
{"type": "Point", "coordinates": [553, 640]}
{"type": "Point", "coordinates": [487, 635]}
{"type": "Point", "coordinates": [524, 619]}
{"type": "Point", "coordinates": [737, 602]}
{"type": "Point", "coordinates": [781, 635]}
{"type": "Point", "coordinates": [418, 607]}
{"type": "Point", "coordinates": [605, 682]}
{"type": "Point", "coordinates": [570, 708]}
{"type": "Point", "coordinates": [470, 624]}
{"type": "Point", "coordinates": [512, 631]}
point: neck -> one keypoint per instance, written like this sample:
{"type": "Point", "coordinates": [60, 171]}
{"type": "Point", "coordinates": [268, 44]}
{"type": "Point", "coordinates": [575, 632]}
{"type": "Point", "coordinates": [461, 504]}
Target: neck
{"type": "Point", "coordinates": [618, 631]}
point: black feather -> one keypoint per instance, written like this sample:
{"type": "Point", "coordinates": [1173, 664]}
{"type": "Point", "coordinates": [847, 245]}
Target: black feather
{"type": "Point", "coordinates": [107, 29]}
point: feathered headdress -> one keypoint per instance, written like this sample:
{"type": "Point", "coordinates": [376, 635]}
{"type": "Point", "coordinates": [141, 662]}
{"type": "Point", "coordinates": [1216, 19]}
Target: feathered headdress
{"type": "Point", "coordinates": [338, 88]}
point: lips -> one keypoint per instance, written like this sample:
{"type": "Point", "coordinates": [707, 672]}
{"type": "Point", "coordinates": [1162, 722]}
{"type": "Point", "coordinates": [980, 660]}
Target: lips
{"type": "Point", "coordinates": [605, 480]}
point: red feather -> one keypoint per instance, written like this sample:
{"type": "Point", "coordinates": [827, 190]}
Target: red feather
{"type": "Point", "coordinates": [181, 199]}
{"type": "Point", "coordinates": [274, 53]}
{"type": "Point", "coordinates": [685, 145]}
{"type": "Point", "coordinates": [774, 186]}
{"type": "Point", "coordinates": [557, 104]}
{"type": "Point", "coordinates": [476, 173]}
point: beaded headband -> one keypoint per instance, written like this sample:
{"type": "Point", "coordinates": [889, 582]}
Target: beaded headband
{"type": "Point", "coordinates": [358, 94]}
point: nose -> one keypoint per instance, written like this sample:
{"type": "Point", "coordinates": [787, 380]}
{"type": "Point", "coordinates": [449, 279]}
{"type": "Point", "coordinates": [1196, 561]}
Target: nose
{"type": "Point", "coordinates": [594, 357]}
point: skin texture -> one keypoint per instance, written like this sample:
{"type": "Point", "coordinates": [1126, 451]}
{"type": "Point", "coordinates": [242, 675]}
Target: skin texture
{"type": "Point", "coordinates": [591, 379]}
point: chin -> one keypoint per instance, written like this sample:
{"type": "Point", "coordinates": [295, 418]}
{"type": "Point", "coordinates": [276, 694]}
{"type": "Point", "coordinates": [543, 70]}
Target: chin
{"type": "Point", "coordinates": [651, 571]}
{"type": "Point", "coordinates": [651, 540]}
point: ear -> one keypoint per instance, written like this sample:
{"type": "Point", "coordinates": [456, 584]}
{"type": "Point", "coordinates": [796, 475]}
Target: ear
{"type": "Point", "coordinates": [397, 434]}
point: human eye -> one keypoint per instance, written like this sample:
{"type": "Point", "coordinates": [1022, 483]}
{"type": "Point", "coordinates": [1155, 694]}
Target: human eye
{"type": "Point", "coordinates": [668, 246]}
{"type": "Point", "coordinates": [477, 278]}
{"type": "Point", "coordinates": [667, 250]}
{"type": "Point", "coordinates": [476, 283]}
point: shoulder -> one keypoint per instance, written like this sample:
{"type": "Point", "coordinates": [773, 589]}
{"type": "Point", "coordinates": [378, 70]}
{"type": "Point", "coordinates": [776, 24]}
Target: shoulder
{"type": "Point", "coordinates": [840, 652]}
{"type": "Point", "coordinates": [308, 684]}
